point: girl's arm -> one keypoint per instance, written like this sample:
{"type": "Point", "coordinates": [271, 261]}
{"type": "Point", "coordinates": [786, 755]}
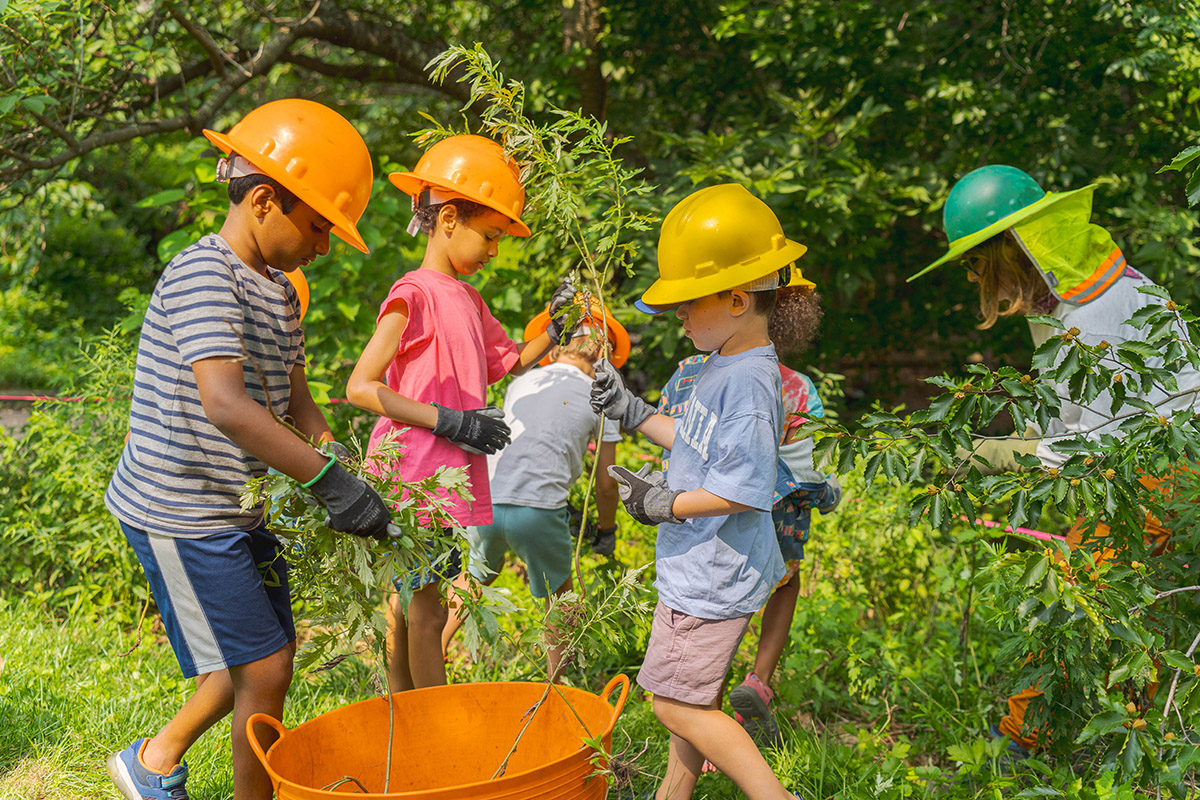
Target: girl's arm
{"type": "Point", "coordinates": [530, 353]}
{"type": "Point", "coordinates": [366, 389]}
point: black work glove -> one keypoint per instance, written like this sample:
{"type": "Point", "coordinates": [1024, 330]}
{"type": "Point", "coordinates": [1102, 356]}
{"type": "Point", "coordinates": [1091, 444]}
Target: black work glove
{"type": "Point", "coordinates": [646, 495]}
{"type": "Point", "coordinates": [478, 430]}
{"type": "Point", "coordinates": [563, 296]}
{"type": "Point", "coordinates": [614, 400]}
{"type": "Point", "coordinates": [353, 506]}
{"type": "Point", "coordinates": [603, 540]}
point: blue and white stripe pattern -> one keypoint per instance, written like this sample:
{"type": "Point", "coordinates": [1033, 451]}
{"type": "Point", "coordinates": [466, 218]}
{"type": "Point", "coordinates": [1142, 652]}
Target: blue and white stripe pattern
{"type": "Point", "coordinates": [179, 475]}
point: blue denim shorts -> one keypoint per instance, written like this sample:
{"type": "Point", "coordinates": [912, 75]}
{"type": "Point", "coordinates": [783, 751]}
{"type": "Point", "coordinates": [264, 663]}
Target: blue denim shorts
{"type": "Point", "coordinates": [224, 598]}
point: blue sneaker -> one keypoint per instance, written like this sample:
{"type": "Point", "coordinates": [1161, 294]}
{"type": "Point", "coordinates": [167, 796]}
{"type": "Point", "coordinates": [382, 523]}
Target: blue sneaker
{"type": "Point", "coordinates": [135, 782]}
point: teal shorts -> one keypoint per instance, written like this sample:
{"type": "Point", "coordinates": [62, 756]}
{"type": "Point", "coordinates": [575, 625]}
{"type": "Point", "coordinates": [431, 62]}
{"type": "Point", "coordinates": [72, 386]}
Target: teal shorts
{"type": "Point", "coordinates": [540, 537]}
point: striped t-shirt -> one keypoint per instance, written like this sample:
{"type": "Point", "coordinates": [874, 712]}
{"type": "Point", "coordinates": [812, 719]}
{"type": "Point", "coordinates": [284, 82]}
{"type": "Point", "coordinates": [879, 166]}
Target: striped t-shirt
{"type": "Point", "coordinates": [179, 475]}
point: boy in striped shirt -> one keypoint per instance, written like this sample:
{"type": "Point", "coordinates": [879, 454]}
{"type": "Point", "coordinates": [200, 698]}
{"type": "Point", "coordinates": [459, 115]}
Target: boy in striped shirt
{"type": "Point", "coordinates": [221, 355]}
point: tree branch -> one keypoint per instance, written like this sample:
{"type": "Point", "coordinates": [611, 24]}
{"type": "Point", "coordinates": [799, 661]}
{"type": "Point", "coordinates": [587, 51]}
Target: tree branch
{"type": "Point", "coordinates": [216, 56]}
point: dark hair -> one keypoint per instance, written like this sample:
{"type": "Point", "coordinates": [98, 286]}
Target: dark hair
{"type": "Point", "coordinates": [240, 187]}
{"type": "Point", "coordinates": [427, 215]}
{"type": "Point", "coordinates": [762, 303]}
{"type": "Point", "coordinates": [795, 319]}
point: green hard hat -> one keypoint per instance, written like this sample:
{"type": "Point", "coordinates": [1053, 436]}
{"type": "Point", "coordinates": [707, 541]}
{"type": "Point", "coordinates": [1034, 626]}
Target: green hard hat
{"type": "Point", "coordinates": [987, 201]}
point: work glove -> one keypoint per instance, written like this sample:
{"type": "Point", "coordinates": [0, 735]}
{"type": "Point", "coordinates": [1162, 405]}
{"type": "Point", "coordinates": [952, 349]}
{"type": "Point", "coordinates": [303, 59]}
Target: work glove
{"type": "Point", "coordinates": [614, 400]}
{"type": "Point", "coordinates": [646, 495]}
{"type": "Point", "coordinates": [831, 496]}
{"type": "Point", "coordinates": [603, 540]}
{"type": "Point", "coordinates": [352, 505]}
{"type": "Point", "coordinates": [563, 296]}
{"type": "Point", "coordinates": [477, 430]}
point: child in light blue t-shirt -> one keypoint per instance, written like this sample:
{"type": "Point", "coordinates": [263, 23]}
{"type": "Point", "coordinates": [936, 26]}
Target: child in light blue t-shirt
{"type": "Point", "coordinates": [722, 255]}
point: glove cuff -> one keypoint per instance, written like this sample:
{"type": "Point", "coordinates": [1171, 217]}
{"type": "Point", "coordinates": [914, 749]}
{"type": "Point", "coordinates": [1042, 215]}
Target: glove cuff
{"type": "Point", "coordinates": [449, 420]}
{"type": "Point", "coordinates": [638, 412]}
{"type": "Point", "coordinates": [659, 506]}
{"type": "Point", "coordinates": [336, 488]}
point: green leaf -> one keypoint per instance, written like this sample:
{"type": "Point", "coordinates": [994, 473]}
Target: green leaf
{"type": "Point", "coordinates": [1132, 753]}
{"type": "Point", "coordinates": [1035, 571]}
{"type": "Point", "coordinates": [1193, 188]}
{"type": "Point", "coordinates": [1181, 160]}
{"type": "Point", "coordinates": [1177, 660]}
{"type": "Point", "coordinates": [165, 197]}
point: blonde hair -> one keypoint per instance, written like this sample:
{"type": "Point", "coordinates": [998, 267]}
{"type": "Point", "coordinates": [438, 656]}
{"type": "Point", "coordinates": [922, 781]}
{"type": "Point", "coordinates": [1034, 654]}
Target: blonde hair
{"type": "Point", "coordinates": [588, 347]}
{"type": "Point", "coordinates": [1009, 284]}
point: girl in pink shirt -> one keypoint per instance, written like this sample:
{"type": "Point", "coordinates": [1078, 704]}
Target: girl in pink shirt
{"type": "Point", "coordinates": [435, 350]}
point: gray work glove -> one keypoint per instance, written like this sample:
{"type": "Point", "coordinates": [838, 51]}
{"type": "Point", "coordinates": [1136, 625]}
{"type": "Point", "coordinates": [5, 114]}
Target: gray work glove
{"type": "Point", "coordinates": [646, 495]}
{"type": "Point", "coordinates": [352, 505]}
{"type": "Point", "coordinates": [614, 400]}
{"type": "Point", "coordinates": [603, 540]}
{"type": "Point", "coordinates": [478, 430]}
{"type": "Point", "coordinates": [831, 496]}
{"type": "Point", "coordinates": [563, 296]}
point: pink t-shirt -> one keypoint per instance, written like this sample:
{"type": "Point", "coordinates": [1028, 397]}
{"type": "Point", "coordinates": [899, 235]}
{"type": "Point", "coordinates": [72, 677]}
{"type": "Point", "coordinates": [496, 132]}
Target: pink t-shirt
{"type": "Point", "coordinates": [450, 351]}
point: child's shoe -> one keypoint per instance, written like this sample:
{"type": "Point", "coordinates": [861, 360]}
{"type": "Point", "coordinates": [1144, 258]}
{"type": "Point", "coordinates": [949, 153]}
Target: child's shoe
{"type": "Point", "coordinates": [136, 782]}
{"type": "Point", "coordinates": [751, 703]}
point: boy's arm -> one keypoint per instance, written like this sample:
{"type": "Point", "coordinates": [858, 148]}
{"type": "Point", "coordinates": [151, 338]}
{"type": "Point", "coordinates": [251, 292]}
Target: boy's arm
{"type": "Point", "coordinates": [703, 503]}
{"type": "Point", "coordinates": [367, 391]}
{"type": "Point", "coordinates": [304, 411]}
{"type": "Point", "coordinates": [660, 429]}
{"type": "Point", "coordinates": [222, 387]}
{"type": "Point", "coordinates": [353, 506]}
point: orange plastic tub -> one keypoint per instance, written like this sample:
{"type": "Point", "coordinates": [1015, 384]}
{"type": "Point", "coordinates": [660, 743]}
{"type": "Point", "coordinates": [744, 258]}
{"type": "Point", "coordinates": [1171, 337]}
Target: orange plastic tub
{"type": "Point", "coordinates": [447, 742]}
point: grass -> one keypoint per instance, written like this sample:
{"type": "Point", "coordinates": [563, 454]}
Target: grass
{"type": "Point", "coordinates": [887, 670]}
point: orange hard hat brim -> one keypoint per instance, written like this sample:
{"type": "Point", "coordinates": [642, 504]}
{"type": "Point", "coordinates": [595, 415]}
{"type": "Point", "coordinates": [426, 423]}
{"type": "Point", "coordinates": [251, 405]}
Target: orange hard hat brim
{"type": "Point", "coordinates": [300, 284]}
{"type": "Point", "coordinates": [618, 337]}
{"type": "Point", "coordinates": [413, 185]}
{"type": "Point", "coordinates": [343, 227]}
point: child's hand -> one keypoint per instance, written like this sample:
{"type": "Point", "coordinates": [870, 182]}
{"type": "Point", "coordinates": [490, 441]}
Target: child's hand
{"type": "Point", "coordinates": [563, 296]}
{"type": "Point", "coordinates": [832, 495]}
{"type": "Point", "coordinates": [646, 495]}
{"type": "Point", "coordinates": [614, 400]}
{"type": "Point", "coordinates": [479, 430]}
{"type": "Point", "coordinates": [353, 506]}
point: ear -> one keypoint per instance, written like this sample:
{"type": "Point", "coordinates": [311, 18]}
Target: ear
{"type": "Point", "coordinates": [447, 217]}
{"type": "Point", "coordinates": [739, 302]}
{"type": "Point", "coordinates": [262, 198]}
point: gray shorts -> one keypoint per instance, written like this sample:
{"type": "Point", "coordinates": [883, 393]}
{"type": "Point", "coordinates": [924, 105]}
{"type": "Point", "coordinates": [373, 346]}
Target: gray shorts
{"type": "Point", "coordinates": [687, 657]}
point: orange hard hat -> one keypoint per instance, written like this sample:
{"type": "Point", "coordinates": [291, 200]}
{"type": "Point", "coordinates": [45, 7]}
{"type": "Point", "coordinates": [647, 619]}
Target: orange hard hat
{"type": "Point", "coordinates": [301, 285]}
{"type": "Point", "coordinates": [618, 337]}
{"type": "Point", "coordinates": [471, 167]}
{"type": "Point", "coordinates": [314, 152]}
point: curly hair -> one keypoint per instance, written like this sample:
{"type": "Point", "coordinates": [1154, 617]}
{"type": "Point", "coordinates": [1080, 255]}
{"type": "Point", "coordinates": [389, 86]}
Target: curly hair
{"type": "Point", "coordinates": [427, 215]}
{"type": "Point", "coordinates": [795, 319]}
{"type": "Point", "coordinates": [1009, 284]}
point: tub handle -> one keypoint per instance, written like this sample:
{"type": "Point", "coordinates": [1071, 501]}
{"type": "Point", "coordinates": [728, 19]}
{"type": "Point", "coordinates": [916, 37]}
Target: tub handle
{"type": "Point", "coordinates": [270, 722]}
{"type": "Point", "coordinates": [623, 680]}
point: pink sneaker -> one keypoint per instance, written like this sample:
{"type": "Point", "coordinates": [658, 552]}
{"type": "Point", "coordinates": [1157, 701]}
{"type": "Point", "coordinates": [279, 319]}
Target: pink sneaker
{"type": "Point", "coordinates": [751, 703]}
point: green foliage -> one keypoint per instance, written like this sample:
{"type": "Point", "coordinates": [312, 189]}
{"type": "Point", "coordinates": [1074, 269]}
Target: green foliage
{"type": "Point", "coordinates": [62, 548]}
{"type": "Point", "coordinates": [1084, 625]}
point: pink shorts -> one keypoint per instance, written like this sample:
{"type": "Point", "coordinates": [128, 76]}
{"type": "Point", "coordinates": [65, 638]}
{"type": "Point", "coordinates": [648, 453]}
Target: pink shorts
{"type": "Point", "coordinates": [688, 658]}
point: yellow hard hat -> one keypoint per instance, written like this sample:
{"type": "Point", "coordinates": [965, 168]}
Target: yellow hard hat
{"type": "Point", "coordinates": [717, 239]}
